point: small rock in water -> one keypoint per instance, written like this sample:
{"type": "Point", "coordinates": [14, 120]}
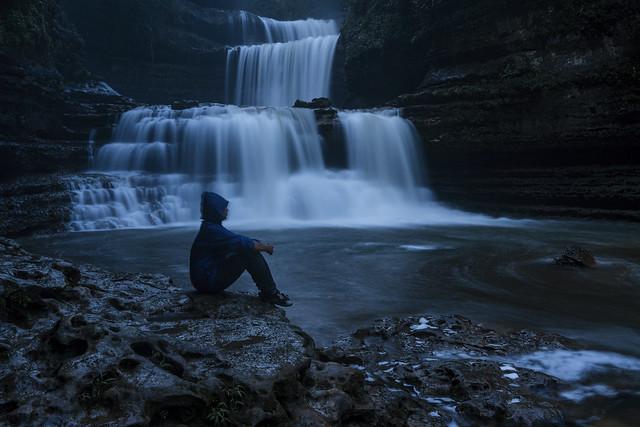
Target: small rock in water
{"type": "Point", "coordinates": [315, 103]}
{"type": "Point", "coordinates": [184, 104]}
{"type": "Point", "coordinates": [576, 256]}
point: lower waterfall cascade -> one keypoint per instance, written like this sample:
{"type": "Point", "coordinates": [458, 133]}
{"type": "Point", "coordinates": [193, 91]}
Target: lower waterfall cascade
{"type": "Point", "coordinates": [268, 162]}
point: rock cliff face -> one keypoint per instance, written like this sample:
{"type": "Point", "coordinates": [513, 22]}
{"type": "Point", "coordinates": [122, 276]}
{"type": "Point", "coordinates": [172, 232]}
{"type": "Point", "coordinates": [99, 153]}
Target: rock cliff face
{"type": "Point", "coordinates": [155, 51]}
{"type": "Point", "coordinates": [50, 106]}
{"type": "Point", "coordinates": [283, 9]}
{"type": "Point", "coordinates": [520, 104]}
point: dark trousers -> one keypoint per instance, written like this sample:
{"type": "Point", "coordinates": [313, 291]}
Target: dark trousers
{"type": "Point", "coordinates": [232, 268]}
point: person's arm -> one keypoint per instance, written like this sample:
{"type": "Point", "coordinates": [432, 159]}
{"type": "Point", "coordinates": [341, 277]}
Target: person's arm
{"type": "Point", "coordinates": [238, 242]}
{"type": "Point", "coordinates": [234, 242]}
{"type": "Point", "coordinates": [246, 243]}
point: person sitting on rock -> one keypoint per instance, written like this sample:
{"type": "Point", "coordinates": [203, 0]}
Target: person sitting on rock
{"type": "Point", "coordinates": [219, 256]}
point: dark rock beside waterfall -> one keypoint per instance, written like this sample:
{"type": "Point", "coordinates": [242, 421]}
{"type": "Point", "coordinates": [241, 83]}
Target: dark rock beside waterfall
{"type": "Point", "coordinates": [326, 119]}
{"type": "Point", "coordinates": [155, 51]}
{"type": "Point", "coordinates": [45, 124]}
{"type": "Point", "coordinates": [334, 148]}
{"type": "Point", "coordinates": [46, 89]}
{"type": "Point", "coordinates": [34, 204]}
{"type": "Point", "coordinates": [50, 106]}
{"type": "Point", "coordinates": [315, 103]}
{"type": "Point", "coordinates": [577, 257]}
{"type": "Point", "coordinates": [184, 104]}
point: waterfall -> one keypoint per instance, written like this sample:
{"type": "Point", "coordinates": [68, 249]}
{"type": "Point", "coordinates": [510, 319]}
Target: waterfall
{"type": "Point", "coordinates": [286, 31]}
{"type": "Point", "coordinates": [384, 148]}
{"type": "Point", "coordinates": [294, 62]}
{"type": "Point", "coordinates": [268, 161]}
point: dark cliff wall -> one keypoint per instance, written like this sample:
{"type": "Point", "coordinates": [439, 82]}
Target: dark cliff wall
{"type": "Point", "coordinates": [47, 102]}
{"type": "Point", "coordinates": [38, 35]}
{"type": "Point", "coordinates": [155, 51]}
{"type": "Point", "coordinates": [519, 103]}
{"type": "Point", "coordinates": [282, 9]}
{"type": "Point", "coordinates": [50, 104]}
{"type": "Point", "coordinates": [39, 51]}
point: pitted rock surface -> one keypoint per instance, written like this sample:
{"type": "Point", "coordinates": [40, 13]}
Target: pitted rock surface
{"type": "Point", "coordinates": [456, 366]}
{"type": "Point", "coordinates": [82, 346]}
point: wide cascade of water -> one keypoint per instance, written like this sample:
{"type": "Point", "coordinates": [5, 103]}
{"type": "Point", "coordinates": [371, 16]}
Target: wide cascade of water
{"type": "Point", "coordinates": [294, 61]}
{"type": "Point", "coordinates": [269, 161]}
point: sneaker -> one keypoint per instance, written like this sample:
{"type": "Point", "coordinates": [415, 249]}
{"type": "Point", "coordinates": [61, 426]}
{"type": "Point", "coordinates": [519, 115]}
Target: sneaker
{"type": "Point", "coordinates": [277, 298]}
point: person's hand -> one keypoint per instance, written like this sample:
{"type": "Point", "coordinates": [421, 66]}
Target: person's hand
{"type": "Point", "coordinates": [261, 247]}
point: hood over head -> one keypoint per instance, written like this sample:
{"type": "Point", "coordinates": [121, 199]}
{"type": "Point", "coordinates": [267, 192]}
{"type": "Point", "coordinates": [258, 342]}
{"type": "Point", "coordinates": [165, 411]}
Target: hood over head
{"type": "Point", "coordinates": [212, 207]}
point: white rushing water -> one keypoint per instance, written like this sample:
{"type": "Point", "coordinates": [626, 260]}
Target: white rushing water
{"type": "Point", "coordinates": [268, 161]}
{"type": "Point", "coordinates": [257, 29]}
{"type": "Point", "coordinates": [294, 61]}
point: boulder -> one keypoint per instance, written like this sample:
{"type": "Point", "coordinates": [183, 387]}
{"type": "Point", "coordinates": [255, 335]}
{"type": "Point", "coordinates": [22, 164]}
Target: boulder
{"type": "Point", "coordinates": [83, 346]}
{"type": "Point", "coordinates": [184, 104]}
{"type": "Point", "coordinates": [316, 103]}
{"type": "Point", "coordinates": [577, 257]}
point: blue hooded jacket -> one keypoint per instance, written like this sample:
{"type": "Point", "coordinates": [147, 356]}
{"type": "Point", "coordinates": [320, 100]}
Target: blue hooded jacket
{"type": "Point", "coordinates": [213, 243]}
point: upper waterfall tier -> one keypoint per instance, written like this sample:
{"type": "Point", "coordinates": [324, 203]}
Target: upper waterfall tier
{"type": "Point", "coordinates": [294, 61]}
{"type": "Point", "coordinates": [278, 74]}
{"type": "Point", "coordinates": [258, 29]}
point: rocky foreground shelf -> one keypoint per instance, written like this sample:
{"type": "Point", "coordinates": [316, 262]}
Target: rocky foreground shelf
{"type": "Point", "coordinates": [83, 346]}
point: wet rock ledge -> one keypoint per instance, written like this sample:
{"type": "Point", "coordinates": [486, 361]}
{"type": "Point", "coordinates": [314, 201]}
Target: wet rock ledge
{"type": "Point", "coordinates": [83, 346]}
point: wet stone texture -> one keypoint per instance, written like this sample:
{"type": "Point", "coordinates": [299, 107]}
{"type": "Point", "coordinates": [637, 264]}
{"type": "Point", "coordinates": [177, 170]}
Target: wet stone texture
{"type": "Point", "coordinates": [454, 367]}
{"type": "Point", "coordinates": [82, 346]}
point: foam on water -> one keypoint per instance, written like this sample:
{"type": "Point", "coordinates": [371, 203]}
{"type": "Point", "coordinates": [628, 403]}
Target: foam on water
{"type": "Point", "coordinates": [581, 393]}
{"type": "Point", "coordinates": [571, 366]}
{"type": "Point", "coordinates": [420, 248]}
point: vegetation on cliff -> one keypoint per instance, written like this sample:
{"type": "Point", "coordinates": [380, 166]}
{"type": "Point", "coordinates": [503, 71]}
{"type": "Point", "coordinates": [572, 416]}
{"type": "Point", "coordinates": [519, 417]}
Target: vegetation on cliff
{"type": "Point", "coordinates": [36, 33]}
